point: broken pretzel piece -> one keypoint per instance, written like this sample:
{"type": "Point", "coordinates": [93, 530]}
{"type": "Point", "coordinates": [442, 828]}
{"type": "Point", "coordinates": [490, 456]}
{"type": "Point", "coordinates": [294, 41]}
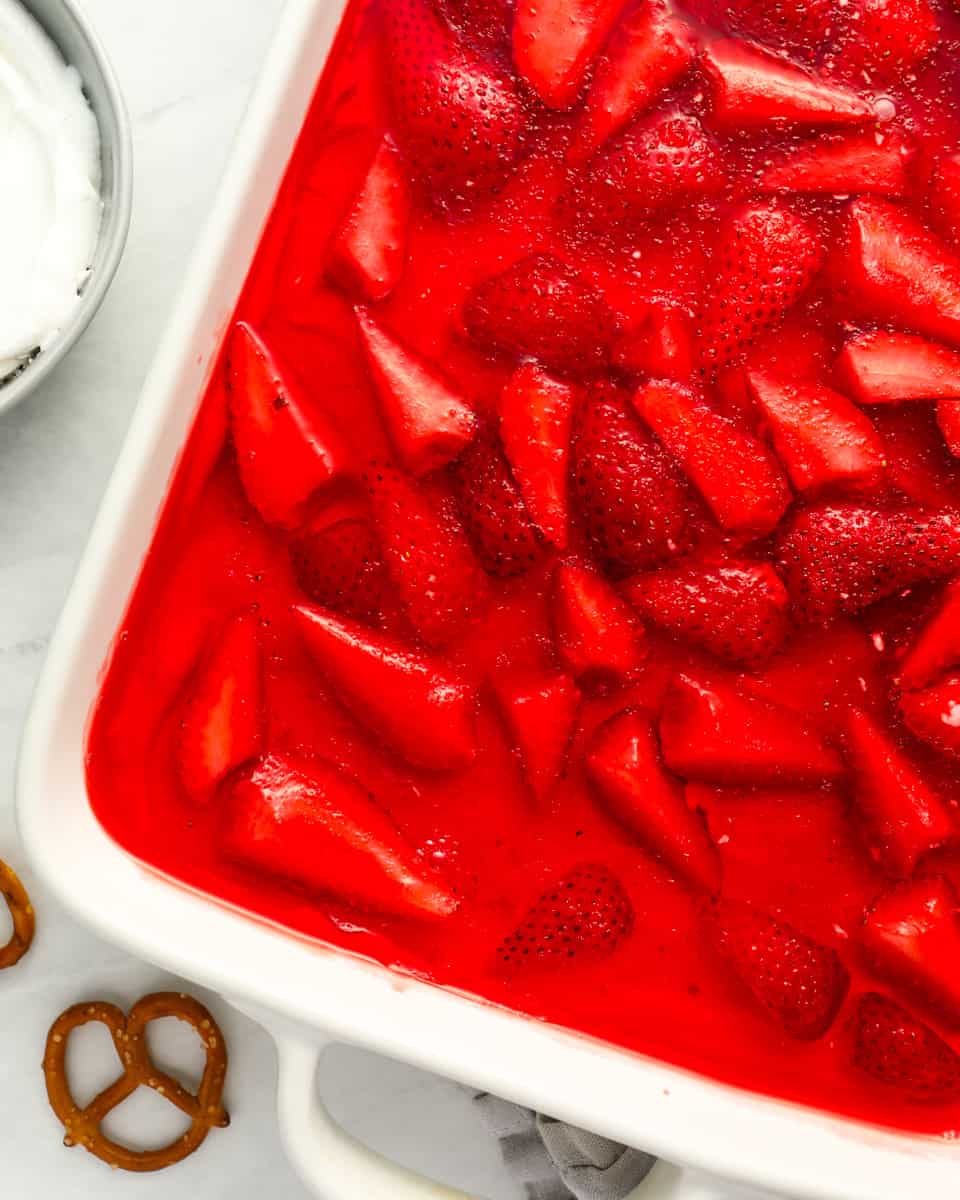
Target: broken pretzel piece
{"type": "Point", "coordinates": [21, 913]}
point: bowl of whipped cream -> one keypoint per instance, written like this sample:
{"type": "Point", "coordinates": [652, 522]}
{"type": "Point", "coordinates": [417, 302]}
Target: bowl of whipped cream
{"type": "Point", "coordinates": [68, 173]}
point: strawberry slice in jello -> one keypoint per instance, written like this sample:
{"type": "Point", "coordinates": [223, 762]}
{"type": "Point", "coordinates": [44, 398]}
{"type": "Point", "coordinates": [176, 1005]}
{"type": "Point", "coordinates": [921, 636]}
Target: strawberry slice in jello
{"type": "Point", "coordinates": [911, 936]}
{"type": "Point", "coordinates": [493, 511]}
{"type": "Point", "coordinates": [542, 307]}
{"type": "Point", "coordinates": [765, 258]}
{"type": "Point", "coordinates": [221, 718]}
{"type": "Point", "coordinates": [736, 609]}
{"type": "Point", "coordinates": [304, 820]}
{"type": "Point", "coordinates": [338, 563]}
{"type": "Point", "coordinates": [420, 708]}
{"type": "Point", "coordinates": [899, 1050]}
{"type": "Point", "coordinates": [890, 268]}
{"type": "Point", "coordinates": [650, 49]}
{"type": "Point", "coordinates": [712, 731]}
{"type": "Point", "coordinates": [540, 711]}
{"type": "Point", "coordinates": [598, 635]}
{"type": "Point", "coordinates": [631, 499]}
{"type": "Point", "coordinates": [428, 557]}
{"type": "Point", "coordinates": [370, 248]}
{"type": "Point", "coordinates": [536, 418]}
{"type": "Point", "coordinates": [893, 368]}
{"type": "Point", "coordinates": [839, 164]}
{"type": "Point", "coordinates": [736, 476]}
{"type": "Point", "coordinates": [842, 557]}
{"type": "Point", "coordinates": [901, 816]}
{"type": "Point", "coordinates": [460, 118]}
{"type": "Point", "coordinates": [821, 438]}
{"type": "Point", "coordinates": [555, 41]}
{"type": "Point", "coordinates": [796, 981]}
{"type": "Point", "coordinates": [754, 89]}
{"type": "Point", "coordinates": [287, 447]}
{"type": "Point", "coordinates": [625, 768]}
{"type": "Point", "coordinates": [583, 917]}
{"type": "Point", "coordinates": [933, 714]}
{"type": "Point", "coordinates": [937, 644]}
{"type": "Point", "coordinates": [429, 421]}
{"type": "Point", "coordinates": [882, 40]}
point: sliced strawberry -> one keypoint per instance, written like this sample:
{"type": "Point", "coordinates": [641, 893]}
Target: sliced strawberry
{"type": "Point", "coordinates": [661, 163]}
{"type": "Point", "coordinates": [536, 415]}
{"type": "Point", "coordinates": [339, 565]}
{"type": "Point", "coordinates": [766, 258]}
{"type": "Point", "coordinates": [370, 247]}
{"type": "Point", "coordinates": [901, 818]}
{"type": "Point", "coordinates": [919, 465]}
{"type": "Point", "coordinates": [798, 982]}
{"type": "Point", "coordinates": [286, 447]}
{"type": "Point", "coordinates": [734, 608]}
{"type": "Point", "coordinates": [428, 557]}
{"type": "Point", "coordinates": [661, 346]}
{"type": "Point", "coordinates": [428, 420]}
{"type": "Point", "coordinates": [838, 558]}
{"type": "Point", "coordinates": [304, 821]}
{"type": "Point", "coordinates": [933, 714]}
{"type": "Point", "coordinates": [483, 24]}
{"type": "Point", "coordinates": [948, 419]}
{"type": "Point", "coordinates": [540, 710]}
{"type": "Point", "coordinates": [460, 119]}
{"type": "Point", "coordinates": [912, 937]}
{"type": "Point", "coordinates": [543, 308]}
{"type": "Point", "coordinates": [632, 501]}
{"type": "Point", "coordinates": [890, 368]}
{"type": "Point", "coordinates": [899, 1050]}
{"type": "Point", "coordinates": [221, 715]}
{"type": "Point", "coordinates": [737, 477]}
{"type": "Point", "coordinates": [797, 349]}
{"type": "Point", "coordinates": [754, 89]}
{"type": "Point", "coordinates": [945, 196]}
{"type": "Point", "coordinates": [821, 438]}
{"type": "Point", "coordinates": [583, 918]}
{"type": "Point", "coordinates": [884, 39]}
{"type": "Point", "coordinates": [597, 634]}
{"type": "Point", "coordinates": [492, 510]}
{"type": "Point", "coordinates": [713, 732]}
{"type": "Point", "coordinates": [937, 646]}
{"type": "Point", "coordinates": [416, 705]}
{"type": "Point", "coordinates": [801, 26]}
{"type": "Point", "coordinates": [555, 41]}
{"type": "Point", "coordinates": [649, 51]}
{"type": "Point", "coordinates": [844, 164]}
{"type": "Point", "coordinates": [624, 765]}
{"type": "Point", "coordinates": [891, 268]}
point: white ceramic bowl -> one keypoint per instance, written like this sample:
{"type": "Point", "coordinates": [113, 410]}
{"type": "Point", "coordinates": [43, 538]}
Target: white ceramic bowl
{"type": "Point", "coordinates": [308, 994]}
{"type": "Point", "coordinates": [72, 33]}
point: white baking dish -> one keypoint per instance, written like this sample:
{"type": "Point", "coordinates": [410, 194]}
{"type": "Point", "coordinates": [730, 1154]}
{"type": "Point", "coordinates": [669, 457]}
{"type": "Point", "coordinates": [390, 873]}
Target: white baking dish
{"type": "Point", "coordinates": [308, 994]}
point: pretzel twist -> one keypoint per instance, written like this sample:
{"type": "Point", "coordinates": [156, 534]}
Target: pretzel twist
{"type": "Point", "coordinates": [22, 915]}
{"type": "Point", "coordinates": [83, 1125]}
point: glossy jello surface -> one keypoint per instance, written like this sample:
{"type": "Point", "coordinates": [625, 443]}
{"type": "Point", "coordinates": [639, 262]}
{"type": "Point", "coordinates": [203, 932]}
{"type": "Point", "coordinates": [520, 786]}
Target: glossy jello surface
{"type": "Point", "coordinates": [555, 599]}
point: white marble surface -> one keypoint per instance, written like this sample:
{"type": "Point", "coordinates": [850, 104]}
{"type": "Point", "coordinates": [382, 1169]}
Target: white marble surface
{"type": "Point", "coordinates": [187, 67]}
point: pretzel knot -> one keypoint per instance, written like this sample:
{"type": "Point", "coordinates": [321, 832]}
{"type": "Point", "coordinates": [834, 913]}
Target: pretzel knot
{"type": "Point", "coordinates": [21, 913]}
{"type": "Point", "coordinates": [83, 1125]}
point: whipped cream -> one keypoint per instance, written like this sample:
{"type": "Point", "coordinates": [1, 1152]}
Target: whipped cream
{"type": "Point", "coordinates": [50, 201]}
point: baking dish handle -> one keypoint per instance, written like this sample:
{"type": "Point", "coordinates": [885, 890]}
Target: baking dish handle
{"type": "Point", "coordinates": [335, 1166]}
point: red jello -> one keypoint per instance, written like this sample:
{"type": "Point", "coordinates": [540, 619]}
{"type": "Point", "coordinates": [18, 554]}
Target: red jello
{"type": "Point", "coordinates": [558, 596]}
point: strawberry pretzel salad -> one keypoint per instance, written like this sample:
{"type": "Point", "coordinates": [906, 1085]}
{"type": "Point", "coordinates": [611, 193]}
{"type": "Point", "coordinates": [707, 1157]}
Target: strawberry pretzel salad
{"type": "Point", "coordinates": [558, 598]}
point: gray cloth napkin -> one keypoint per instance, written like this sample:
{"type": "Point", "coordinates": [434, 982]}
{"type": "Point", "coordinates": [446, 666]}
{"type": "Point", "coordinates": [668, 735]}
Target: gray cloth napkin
{"type": "Point", "coordinates": [558, 1162]}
